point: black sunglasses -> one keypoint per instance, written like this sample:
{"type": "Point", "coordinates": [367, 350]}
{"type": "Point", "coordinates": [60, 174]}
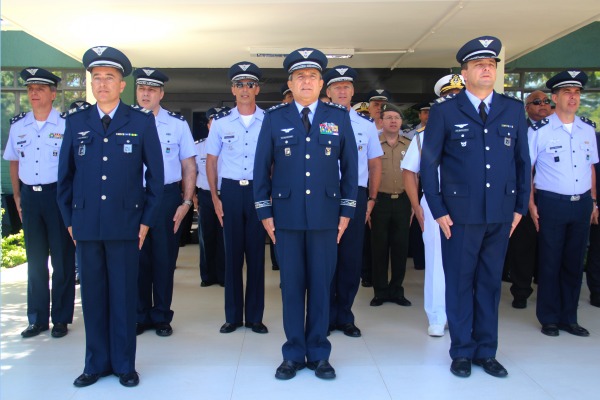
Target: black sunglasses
{"type": "Point", "coordinates": [240, 85]}
{"type": "Point", "coordinates": [539, 102]}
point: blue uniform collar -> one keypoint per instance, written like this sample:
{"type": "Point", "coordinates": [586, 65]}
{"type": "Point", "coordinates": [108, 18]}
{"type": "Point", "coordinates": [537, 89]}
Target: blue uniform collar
{"type": "Point", "coordinates": [476, 101]}
{"type": "Point", "coordinates": [312, 107]}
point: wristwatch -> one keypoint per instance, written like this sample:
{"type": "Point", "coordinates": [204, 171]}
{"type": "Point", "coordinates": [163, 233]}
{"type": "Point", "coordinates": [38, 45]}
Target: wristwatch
{"type": "Point", "coordinates": [372, 198]}
{"type": "Point", "coordinates": [188, 202]}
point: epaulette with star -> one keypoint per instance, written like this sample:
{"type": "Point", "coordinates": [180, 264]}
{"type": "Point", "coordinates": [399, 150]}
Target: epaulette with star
{"type": "Point", "coordinates": [511, 96]}
{"type": "Point", "coordinates": [222, 114]}
{"type": "Point", "coordinates": [176, 115]}
{"type": "Point", "coordinates": [366, 117]}
{"type": "Point", "coordinates": [140, 109]}
{"type": "Point", "coordinates": [589, 122]}
{"type": "Point", "coordinates": [17, 117]}
{"type": "Point", "coordinates": [539, 124]}
{"type": "Point", "coordinates": [77, 109]}
{"type": "Point", "coordinates": [276, 107]}
{"type": "Point", "coordinates": [330, 104]}
{"type": "Point", "coordinates": [445, 98]}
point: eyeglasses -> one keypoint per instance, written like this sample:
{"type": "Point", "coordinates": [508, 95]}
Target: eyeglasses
{"type": "Point", "coordinates": [539, 102]}
{"type": "Point", "coordinates": [240, 85]}
{"type": "Point", "coordinates": [392, 118]}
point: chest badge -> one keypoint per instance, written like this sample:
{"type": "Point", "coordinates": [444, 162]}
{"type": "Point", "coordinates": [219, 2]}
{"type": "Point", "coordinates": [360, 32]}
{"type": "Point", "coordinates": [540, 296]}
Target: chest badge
{"type": "Point", "coordinates": [81, 151]}
{"type": "Point", "coordinates": [507, 141]}
{"type": "Point", "coordinates": [360, 148]}
{"type": "Point", "coordinates": [327, 151]}
{"type": "Point", "coordinates": [127, 148]}
{"type": "Point", "coordinates": [463, 144]}
{"type": "Point", "coordinates": [287, 151]}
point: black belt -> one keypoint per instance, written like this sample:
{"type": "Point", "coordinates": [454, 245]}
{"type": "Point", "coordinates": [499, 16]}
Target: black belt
{"type": "Point", "coordinates": [41, 188]}
{"type": "Point", "coordinates": [393, 196]}
{"type": "Point", "coordinates": [241, 182]}
{"type": "Point", "coordinates": [566, 197]}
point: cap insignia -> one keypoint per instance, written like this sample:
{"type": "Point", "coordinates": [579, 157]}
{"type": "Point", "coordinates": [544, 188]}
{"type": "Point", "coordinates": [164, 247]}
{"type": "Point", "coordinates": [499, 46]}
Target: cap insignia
{"type": "Point", "coordinates": [32, 71]}
{"type": "Point", "coordinates": [148, 72]}
{"type": "Point", "coordinates": [380, 91]}
{"type": "Point", "coordinates": [305, 53]}
{"type": "Point", "coordinates": [99, 50]}
{"type": "Point", "coordinates": [341, 71]}
{"type": "Point", "coordinates": [485, 42]}
{"type": "Point", "coordinates": [574, 73]}
{"type": "Point", "coordinates": [244, 66]}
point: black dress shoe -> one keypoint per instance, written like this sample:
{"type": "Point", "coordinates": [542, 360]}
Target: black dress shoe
{"type": "Point", "coordinates": [84, 379]}
{"type": "Point", "coordinates": [287, 369]}
{"type": "Point", "coordinates": [257, 327]}
{"type": "Point", "coordinates": [550, 329]}
{"type": "Point", "coordinates": [377, 301]}
{"type": "Point", "coordinates": [230, 327]}
{"type": "Point", "coordinates": [574, 329]}
{"type": "Point", "coordinates": [164, 329]}
{"type": "Point", "coordinates": [33, 330]}
{"type": "Point", "coordinates": [491, 366]}
{"type": "Point", "coordinates": [129, 379]}
{"type": "Point", "coordinates": [461, 367]}
{"type": "Point", "coordinates": [59, 330]}
{"type": "Point", "coordinates": [206, 284]}
{"type": "Point", "coordinates": [366, 283]}
{"type": "Point", "coordinates": [141, 328]}
{"type": "Point", "coordinates": [519, 303]}
{"type": "Point", "coordinates": [322, 369]}
{"type": "Point", "coordinates": [402, 301]}
{"type": "Point", "coordinates": [349, 329]}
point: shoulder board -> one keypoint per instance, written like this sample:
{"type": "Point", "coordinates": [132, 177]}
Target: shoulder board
{"type": "Point", "coordinates": [421, 129]}
{"type": "Point", "coordinates": [200, 140]}
{"type": "Point", "coordinates": [276, 107]}
{"type": "Point", "coordinates": [77, 109]}
{"type": "Point", "coordinates": [366, 117]}
{"type": "Point", "coordinates": [330, 104]}
{"type": "Point", "coordinates": [589, 122]}
{"type": "Point", "coordinates": [176, 115]}
{"type": "Point", "coordinates": [63, 115]}
{"type": "Point", "coordinates": [445, 98]}
{"type": "Point", "coordinates": [17, 117]}
{"type": "Point", "coordinates": [539, 124]}
{"type": "Point", "coordinates": [511, 96]}
{"type": "Point", "coordinates": [222, 114]}
{"type": "Point", "coordinates": [140, 109]}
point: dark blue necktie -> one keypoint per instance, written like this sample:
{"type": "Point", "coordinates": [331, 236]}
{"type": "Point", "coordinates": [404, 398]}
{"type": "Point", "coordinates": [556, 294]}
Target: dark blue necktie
{"type": "Point", "coordinates": [305, 120]}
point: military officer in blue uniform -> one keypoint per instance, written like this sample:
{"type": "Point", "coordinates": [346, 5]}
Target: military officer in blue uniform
{"type": "Point", "coordinates": [210, 231]}
{"type": "Point", "coordinates": [232, 138]}
{"type": "Point", "coordinates": [563, 152]}
{"type": "Point", "coordinates": [108, 212]}
{"type": "Point", "coordinates": [32, 150]}
{"type": "Point", "coordinates": [346, 280]}
{"type": "Point", "coordinates": [305, 206]}
{"type": "Point", "coordinates": [159, 253]}
{"type": "Point", "coordinates": [478, 138]}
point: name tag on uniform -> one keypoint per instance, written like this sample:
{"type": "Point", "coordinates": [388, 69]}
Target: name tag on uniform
{"type": "Point", "coordinates": [127, 148]}
{"type": "Point", "coordinates": [287, 151]}
{"type": "Point", "coordinates": [81, 151]}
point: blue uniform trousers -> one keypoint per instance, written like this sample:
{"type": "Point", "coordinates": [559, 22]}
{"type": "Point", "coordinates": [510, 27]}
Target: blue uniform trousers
{"type": "Point", "coordinates": [244, 236]}
{"type": "Point", "coordinates": [45, 233]}
{"type": "Point", "coordinates": [210, 232]}
{"type": "Point", "coordinates": [157, 262]}
{"type": "Point", "coordinates": [307, 262]}
{"type": "Point", "coordinates": [593, 263]}
{"type": "Point", "coordinates": [108, 274]}
{"type": "Point", "coordinates": [346, 278]}
{"type": "Point", "coordinates": [562, 241]}
{"type": "Point", "coordinates": [473, 260]}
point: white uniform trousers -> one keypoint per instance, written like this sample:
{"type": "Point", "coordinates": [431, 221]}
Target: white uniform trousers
{"type": "Point", "coordinates": [435, 286]}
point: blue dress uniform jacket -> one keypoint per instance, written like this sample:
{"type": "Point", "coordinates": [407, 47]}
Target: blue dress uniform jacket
{"type": "Point", "coordinates": [317, 201]}
{"type": "Point", "coordinates": [100, 188]}
{"type": "Point", "coordinates": [485, 175]}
